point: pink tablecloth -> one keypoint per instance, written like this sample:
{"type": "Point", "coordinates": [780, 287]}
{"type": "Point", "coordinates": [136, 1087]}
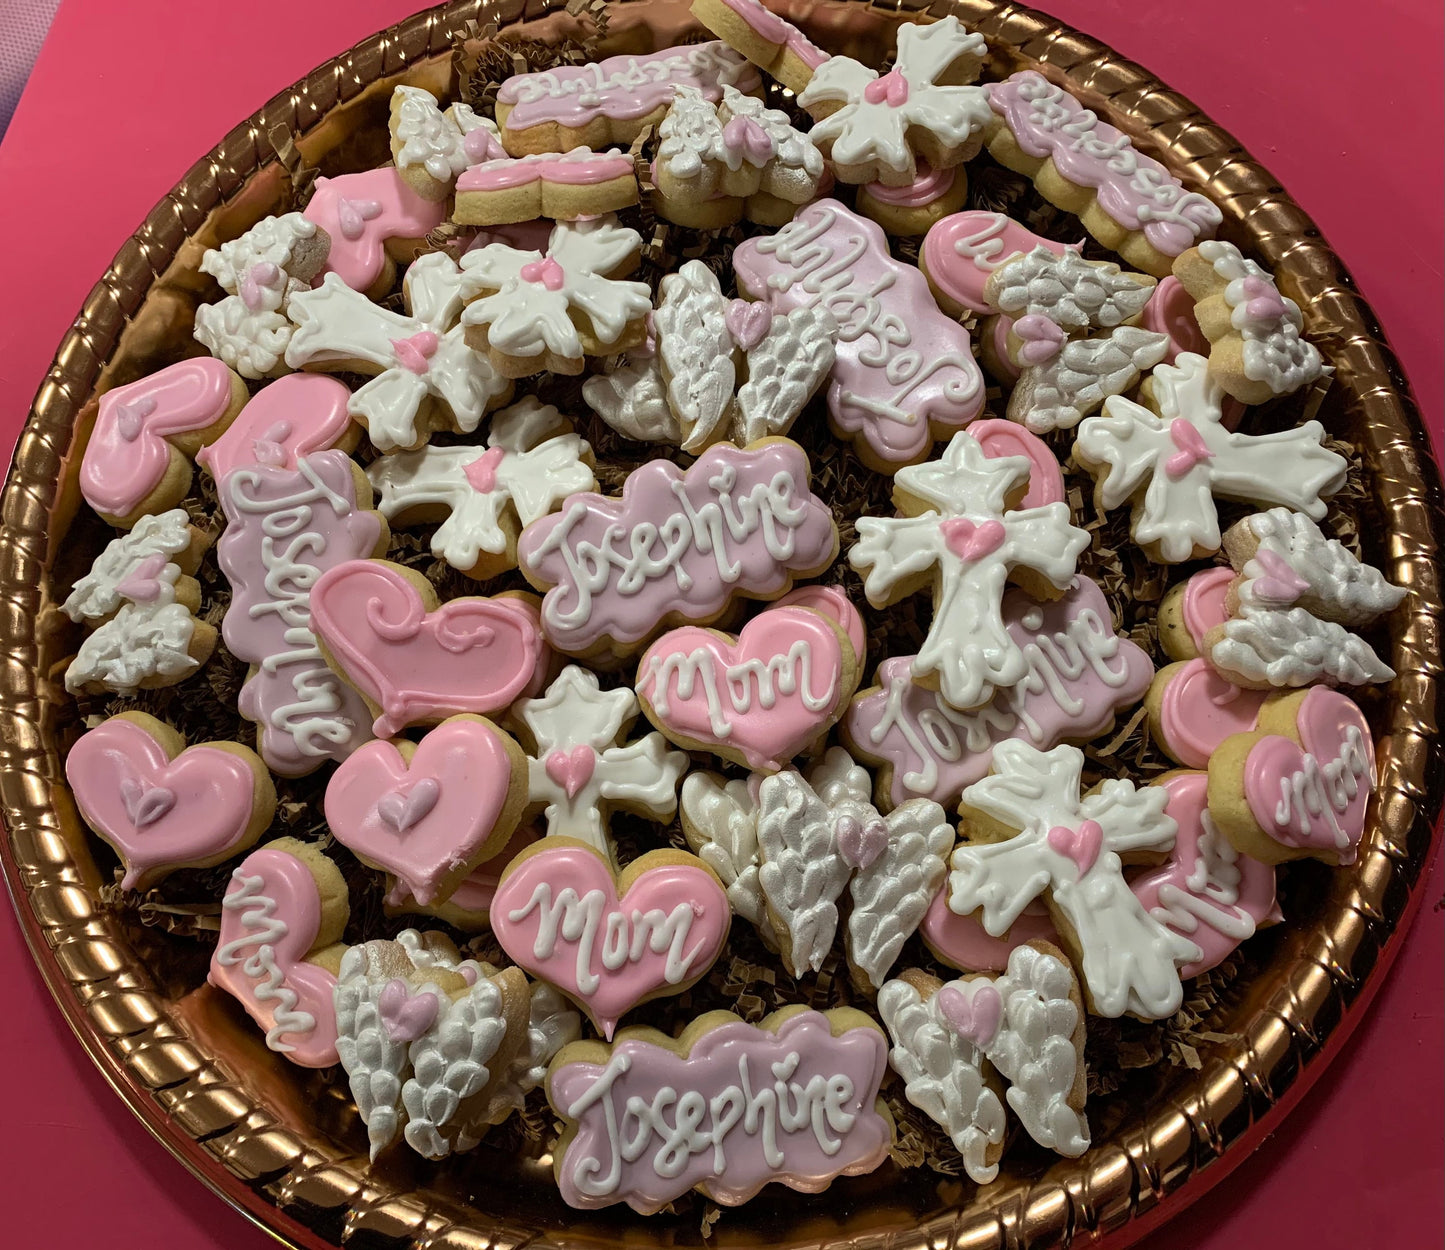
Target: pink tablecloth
{"type": "Point", "coordinates": [1346, 111]}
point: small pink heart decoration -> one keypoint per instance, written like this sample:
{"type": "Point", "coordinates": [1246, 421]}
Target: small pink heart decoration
{"type": "Point", "coordinates": [747, 321]}
{"type": "Point", "coordinates": [419, 818]}
{"type": "Point", "coordinates": [558, 915]}
{"type": "Point", "coordinates": [354, 214]}
{"type": "Point", "coordinates": [891, 89]}
{"type": "Point", "coordinates": [1082, 845]}
{"type": "Point", "coordinates": [762, 697]}
{"type": "Point", "coordinates": [143, 583]}
{"type": "Point", "coordinates": [1193, 449]}
{"type": "Point", "coordinates": [970, 541]}
{"type": "Point", "coordinates": [1280, 583]}
{"type": "Point", "coordinates": [154, 810]}
{"type": "Point", "coordinates": [482, 472]}
{"type": "Point", "coordinates": [469, 655]}
{"type": "Point", "coordinates": [860, 844]}
{"type": "Point", "coordinates": [404, 1015]}
{"type": "Point", "coordinates": [415, 353]}
{"type": "Point", "coordinates": [976, 1020]}
{"type": "Point", "coordinates": [130, 418]}
{"type": "Point", "coordinates": [572, 771]}
{"type": "Point", "coordinates": [546, 271]}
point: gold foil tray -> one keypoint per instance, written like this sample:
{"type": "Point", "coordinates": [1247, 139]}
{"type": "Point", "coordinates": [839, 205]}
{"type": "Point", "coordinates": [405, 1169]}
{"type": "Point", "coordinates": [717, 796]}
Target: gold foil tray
{"type": "Point", "coordinates": [288, 1151]}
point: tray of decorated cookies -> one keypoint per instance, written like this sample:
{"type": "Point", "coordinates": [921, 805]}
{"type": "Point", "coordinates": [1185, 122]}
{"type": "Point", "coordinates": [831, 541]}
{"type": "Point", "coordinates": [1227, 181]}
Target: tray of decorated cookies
{"type": "Point", "coordinates": [786, 624]}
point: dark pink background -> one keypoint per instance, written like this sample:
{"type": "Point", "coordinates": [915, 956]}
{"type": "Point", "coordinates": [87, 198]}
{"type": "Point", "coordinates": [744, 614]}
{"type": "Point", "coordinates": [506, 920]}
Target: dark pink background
{"type": "Point", "coordinates": [1342, 103]}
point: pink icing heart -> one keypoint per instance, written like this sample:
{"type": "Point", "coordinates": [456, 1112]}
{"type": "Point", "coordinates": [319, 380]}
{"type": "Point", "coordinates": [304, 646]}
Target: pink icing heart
{"type": "Point", "coordinates": [1312, 795]}
{"type": "Point", "coordinates": [415, 353]}
{"type": "Point", "coordinates": [354, 214]}
{"type": "Point", "coordinates": [143, 583]}
{"type": "Point", "coordinates": [482, 472]}
{"type": "Point", "coordinates": [558, 915]}
{"type": "Point", "coordinates": [572, 771]}
{"type": "Point", "coordinates": [128, 456]}
{"type": "Point", "coordinates": [1200, 709]}
{"type": "Point", "coordinates": [1082, 845]}
{"type": "Point", "coordinates": [892, 88]}
{"type": "Point", "coordinates": [259, 278]}
{"type": "Point", "coordinates": [404, 1015]}
{"type": "Point", "coordinates": [766, 695]}
{"type": "Point", "coordinates": [747, 322]}
{"type": "Point", "coordinates": [481, 145]}
{"type": "Point", "coordinates": [1264, 302]}
{"type": "Point", "coordinates": [1280, 584]}
{"type": "Point", "coordinates": [1192, 448]}
{"type": "Point", "coordinates": [292, 416]}
{"type": "Point", "coordinates": [743, 134]}
{"type": "Point", "coordinates": [402, 808]}
{"type": "Point", "coordinates": [976, 1020]}
{"type": "Point", "coordinates": [154, 810]}
{"type": "Point", "coordinates": [270, 920]}
{"type": "Point", "coordinates": [469, 655]}
{"type": "Point", "coordinates": [546, 271]}
{"type": "Point", "coordinates": [1043, 339]}
{"type": "Point", "coordinates": [860, 844]}
{"type": "Point", "coordinates": [417, 819]}
{"type": "Point", "coordinates": [969, 541]}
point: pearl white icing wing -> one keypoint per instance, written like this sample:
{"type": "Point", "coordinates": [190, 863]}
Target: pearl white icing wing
{"type": "Point", "coordinates": [1349, 591]}
{"type": "Point", "coordinates": [1035, 1051]}
{"type": "Point", "coordinates": [802, 874]}
{"type": "Point", "coordinates": [552, 1024]}
{"type": "Point", "coordinates": [1295, 648]}
{"type": "Point", "coordinates": [1059, 394]}
{"type": "Point", "coordinates": [892, 894]}
{"type": "Point", "coordinates": [98, 593]}
{"type": "Point", "coordinates": [695, 351]}
{"type": "Point", "coordinates": [942, 1076]}
{"type": "Point", "coordinates": [1068, 290]}
{"type": "Point", "coordinates": [374, 1064]}
{"type": "Point", "coordinates": [428, 137]}
{"type": "Point", "coordinates": [721, 825]}
{"type": "Point", "coordinates": [1144, 453]}
{"type": "Point", "coordinates": [632, 399]}
{"type": "Point", "coordinates": [448, 1064]}
{"type": "Point", "coordinates": [252, 342]}
{"type": "Point", "coordinates": [142, 640]}
{"type": "Point", "coordinates": [272, 240]}
{"type": "Point", "coordinates": [784, 370]}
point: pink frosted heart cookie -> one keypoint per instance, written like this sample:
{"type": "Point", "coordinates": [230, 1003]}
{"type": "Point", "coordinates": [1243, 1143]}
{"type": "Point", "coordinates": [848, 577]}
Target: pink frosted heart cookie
{"type": "Point", "coordinates": [1300, 785]}
{"type": "Point", "coordinates": [759, 698]}
{"type": "Point", "coordinates": [374, 219]}
{"type": "Point", "coordinates": [792, 1100]}
{"type": "Point", "coordinates": [293, 416]}
{"type": "Point", "coordinates": [163, 805]}
{"type": "Point", "coordinates": [414, 659]}
{"type": "Point", "coordinates": [962, 251]}
{"type": "Point", "coordinates": [430, 812]}
{"type": "Point", "coordinates": [279, 947]}
{"type": "Point", "coordinates": [1193, 708]}
{"type": "Point", "coordinates": [138, 457]}
{"type": "Point", "coordinates": [610, 942]}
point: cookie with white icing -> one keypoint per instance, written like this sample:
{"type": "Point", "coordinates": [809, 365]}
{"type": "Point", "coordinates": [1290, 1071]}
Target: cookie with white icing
{"type": "Point", "coordinates": [964, 1048]}
{"type": "Point", "coordinates": [426, 1038]}
{"type": "Point", "coordinates": [1171, 455]}
{"type": "Point", "coordinates": [1257, 350]}
{"type": "Point", "coordinates": [430, 147]}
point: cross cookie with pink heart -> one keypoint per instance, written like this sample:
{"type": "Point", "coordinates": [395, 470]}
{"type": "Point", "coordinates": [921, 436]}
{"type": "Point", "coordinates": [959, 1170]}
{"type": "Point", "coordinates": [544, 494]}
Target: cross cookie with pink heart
{"type": "Point", "coordinates": [610, 942]}
{"type": "Point", "coordinates": [429, 812]}
{"type": "Point", "coordinates": [1300, 785]}
{"type": "Point", "coordinates": [416, 660]}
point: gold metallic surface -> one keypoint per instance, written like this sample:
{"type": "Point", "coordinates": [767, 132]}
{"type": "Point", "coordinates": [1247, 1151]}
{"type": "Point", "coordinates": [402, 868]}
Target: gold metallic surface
{"type": "Point", "coordinates": [283, 1145]}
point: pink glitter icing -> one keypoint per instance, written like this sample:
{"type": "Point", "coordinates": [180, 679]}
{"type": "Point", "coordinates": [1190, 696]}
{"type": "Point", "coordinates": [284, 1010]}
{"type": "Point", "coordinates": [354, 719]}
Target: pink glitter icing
{"type": "Point", "coordinates": [776, 31]}
{"type": "Point", "coordinates": [1134, 189]}
{"type": "Point", "coordinates": [358, 238]}
{"type": "Point", "coordinates": [903, 368]}
{"type": "Point", "coordinates": [580, 167]}
{"type": "Point", "coordinates": [676, 543]}
{"type": "Point", "coordinates": [284, 527]}
{"type": "Point", "coordinates": [930, 185]}
{"type": "Point", "coordinates": [127, 456]}
{"type": "Point", "coordinates": [622, 87]}
{"type": "Point", "coordinates": [1080, 674]}
{"type": "Point", "coordinates": [739, 1077]}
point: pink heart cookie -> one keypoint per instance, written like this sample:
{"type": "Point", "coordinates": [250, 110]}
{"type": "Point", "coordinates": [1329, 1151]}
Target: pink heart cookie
{"type": "Point", "coordinates": [1306, 780]}
{"type": "Point", "coordinates": [292, 416]}
{"type": "Point", "coordinates": [758, 699]}
{"type": "Point", "coordinates": [1193, 709]}
{"type": "Point", "coordinates": [609, 942]}
{"type": "Point", "coordinates": [130, 448]}
{"type": "Point", "coordinates": [426, 813]}
{"type": "Point", "coordinates": [361, 212]}
{"type": "Point", "coordinates": [414, 661]}
{"type": "Point", "coordinates": [163, 805]}
{"type": "Point", "coordinates": [960, 252]}
{"type": "Point", "coordinates": [271, 918]}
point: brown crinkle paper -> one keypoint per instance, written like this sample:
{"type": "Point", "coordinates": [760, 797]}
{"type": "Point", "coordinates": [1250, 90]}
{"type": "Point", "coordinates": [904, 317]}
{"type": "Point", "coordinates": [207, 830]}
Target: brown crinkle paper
{"type": "Point", "coordinates": [1125, 1057]}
